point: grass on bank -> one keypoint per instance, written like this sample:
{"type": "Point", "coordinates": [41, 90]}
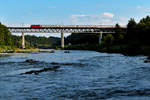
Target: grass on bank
{"type": "Point", "coordinates": [10, 49]}
{"type": "Point", "coordinates": [6, 49]}
{"type": "Point", "coordinates": [26, 50]}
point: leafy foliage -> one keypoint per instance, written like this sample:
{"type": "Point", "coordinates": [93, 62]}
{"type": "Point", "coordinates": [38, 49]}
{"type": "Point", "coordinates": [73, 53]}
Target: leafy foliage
{"type": "Point", "coordinates": [82, 38]}
{"type": "Point", "coordinates": [5, 36]}
{"type": "Point", "coordinates": [109, 39]}
{"type": "Point", "coordinates": [136, 39]}
{"type": "Point", "coordinates": [37, 42]}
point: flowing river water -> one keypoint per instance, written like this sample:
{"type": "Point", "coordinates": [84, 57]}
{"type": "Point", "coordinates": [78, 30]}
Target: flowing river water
{"type": "Point", "coordinates": [83, 75]}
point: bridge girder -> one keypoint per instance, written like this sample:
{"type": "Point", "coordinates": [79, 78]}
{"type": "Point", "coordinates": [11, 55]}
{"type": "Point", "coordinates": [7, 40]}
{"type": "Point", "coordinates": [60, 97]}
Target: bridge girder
{"type": "Point", "coordinates": [62, 29]}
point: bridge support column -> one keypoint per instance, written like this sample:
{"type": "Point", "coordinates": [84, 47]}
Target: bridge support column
{"type": "Point", "coordinates": [100, 37]}
{"type": "Point", "coordinates": [23, 41]}
{"type": "Point", "coordinates": [62, 41]}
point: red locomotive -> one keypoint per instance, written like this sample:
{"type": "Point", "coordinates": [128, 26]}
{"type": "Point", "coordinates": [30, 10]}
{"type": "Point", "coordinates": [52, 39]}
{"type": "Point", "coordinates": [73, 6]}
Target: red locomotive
{"type": "Point", "coordinates": [35, 26]}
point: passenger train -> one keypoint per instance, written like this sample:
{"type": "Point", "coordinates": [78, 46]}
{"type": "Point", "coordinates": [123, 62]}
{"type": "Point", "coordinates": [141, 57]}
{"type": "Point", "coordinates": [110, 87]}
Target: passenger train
{"type": "Point", "coordinates": [73, 26]}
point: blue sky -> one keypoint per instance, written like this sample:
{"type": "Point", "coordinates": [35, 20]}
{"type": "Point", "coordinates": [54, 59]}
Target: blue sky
{"type": "Point", "coordinates": [107, 12]}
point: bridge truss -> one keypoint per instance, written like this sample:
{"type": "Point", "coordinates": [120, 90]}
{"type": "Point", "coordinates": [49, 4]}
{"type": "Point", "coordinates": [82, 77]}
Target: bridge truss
{"type": "Point", "coordinates": [65, 29]}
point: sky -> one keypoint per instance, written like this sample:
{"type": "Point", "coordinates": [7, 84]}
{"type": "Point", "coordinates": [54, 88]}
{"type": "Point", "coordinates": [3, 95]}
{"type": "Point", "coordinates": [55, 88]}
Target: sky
{"type": "Point", "coordinates": [72, 12]}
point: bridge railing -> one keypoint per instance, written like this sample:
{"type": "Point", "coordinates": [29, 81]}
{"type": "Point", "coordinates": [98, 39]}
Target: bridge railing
{"type": "Point", "coordinates": [72, 26]}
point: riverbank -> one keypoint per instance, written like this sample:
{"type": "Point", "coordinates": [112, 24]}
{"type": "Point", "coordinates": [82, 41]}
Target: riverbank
{"type": "Point", "coordinates": [127, 50]}
{"type": "Point", "coordinates": [3, 51]}
{"type": "Point", "coordinates": [16, 51]}
{"type": "Point", "coordinates": [11, 51]}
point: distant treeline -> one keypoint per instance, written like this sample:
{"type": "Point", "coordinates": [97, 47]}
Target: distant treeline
{"type": "Point", "coordinates": [37, 42]}
{"type": "Point", "coordinates": [135, 41]}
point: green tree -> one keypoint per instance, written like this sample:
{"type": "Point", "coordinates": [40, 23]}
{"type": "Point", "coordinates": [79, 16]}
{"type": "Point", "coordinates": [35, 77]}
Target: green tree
{"type": "Point", "coordinates": [82, 38]}
{"type": "Point", "coordinates": [5, 36]}
{"type": "Point", "coordinates": [119, 35]}
{"type": "Point", "coordinates": [144, 30]}
{"type": "Point", "coordinates": [108, 39]}
{"type": "Point", "coordinates": [131, 30]}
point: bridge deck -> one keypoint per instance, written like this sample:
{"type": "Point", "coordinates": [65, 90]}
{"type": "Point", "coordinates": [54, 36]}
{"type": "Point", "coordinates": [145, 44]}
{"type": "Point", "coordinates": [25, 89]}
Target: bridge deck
{"type": "Point", "coordinates": [65, 29]}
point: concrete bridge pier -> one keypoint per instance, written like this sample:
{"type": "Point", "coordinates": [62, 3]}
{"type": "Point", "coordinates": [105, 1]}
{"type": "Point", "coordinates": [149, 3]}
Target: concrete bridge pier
{"type": "Point", "coordinates": [23, 41]}
{"type": "Point", "coordinates": [62, 41]}
{"type": "Point", "coordinates": [100, 37]}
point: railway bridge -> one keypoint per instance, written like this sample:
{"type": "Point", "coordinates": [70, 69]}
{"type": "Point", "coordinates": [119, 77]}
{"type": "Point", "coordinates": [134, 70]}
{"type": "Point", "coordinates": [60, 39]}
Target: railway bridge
{"type": "Point", "coordinates": [100, 29]}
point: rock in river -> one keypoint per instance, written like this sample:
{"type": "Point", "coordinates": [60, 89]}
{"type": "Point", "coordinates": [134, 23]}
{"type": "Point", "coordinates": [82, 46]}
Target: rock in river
{"type": "Point", "coordinates": [36, 72]}
{"type": "Point", "coordinates": [148, 57]}
{"type": "Point", "coordinates": [55, 63]}
{"type": "Point", "coordinates": [67, 51]}
{"type": "Point", "coordinates": [147, 60]}
{"type": "Point", "coordinates": [31, 61]}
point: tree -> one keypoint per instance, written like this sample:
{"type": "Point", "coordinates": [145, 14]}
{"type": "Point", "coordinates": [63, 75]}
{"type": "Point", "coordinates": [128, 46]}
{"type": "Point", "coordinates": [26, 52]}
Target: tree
{"type": "Point", "coordinates": [144, 30]}
{"type": "Point", "coordinates": [108, 39]}
{"type": "Point", "coordinates": [119, 35]}
{"type": "Point", "coordinates": [82, 38]}
{"type": "Point", "coordinates": [5, 36]}
{"type": "Point", "coordinates": [131, 30]}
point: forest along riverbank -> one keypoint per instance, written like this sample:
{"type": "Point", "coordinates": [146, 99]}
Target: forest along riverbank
{"type": "Point", "coordinates": [132, 42]}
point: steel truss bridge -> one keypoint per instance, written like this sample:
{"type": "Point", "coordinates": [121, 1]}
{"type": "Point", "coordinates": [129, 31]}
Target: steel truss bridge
{"type": "Point", "coordinates": [66, 29]}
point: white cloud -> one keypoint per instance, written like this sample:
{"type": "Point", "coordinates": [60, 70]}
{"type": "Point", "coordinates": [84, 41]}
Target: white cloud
{"type": "Point", "coordinates": [122, 20]}
{"type": "Point", "coordinates": [3, 21]}
{"type": "Point", "coordinates": [85, 19]}
{"type": "Point", "coordinates": [108, 14]}
{"type": "Point", "coordinates": [143, 10]}
{"type": "Point", "coordinates": [75, 16]}
{"type": "Point", "coordinates": [107, 21]}
{"type": "Point", "coordinates": [104, 18]}
{"type": "Point", "coordinates": [98, 19]}
{"type": "Point", "coordinates": [139, 7]}
{"type": "Point", "coordinates": [51, 7]}
{"type": "Point", "coordinates": [30, 12]}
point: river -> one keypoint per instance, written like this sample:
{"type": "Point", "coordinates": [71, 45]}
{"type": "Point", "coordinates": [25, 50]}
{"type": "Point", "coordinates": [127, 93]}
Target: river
{"type": "Point", "coordinates": [83, 75]}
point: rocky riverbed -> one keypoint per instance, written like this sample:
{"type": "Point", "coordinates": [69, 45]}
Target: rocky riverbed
{"type": "Point", "coordinates": [78, 75]}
